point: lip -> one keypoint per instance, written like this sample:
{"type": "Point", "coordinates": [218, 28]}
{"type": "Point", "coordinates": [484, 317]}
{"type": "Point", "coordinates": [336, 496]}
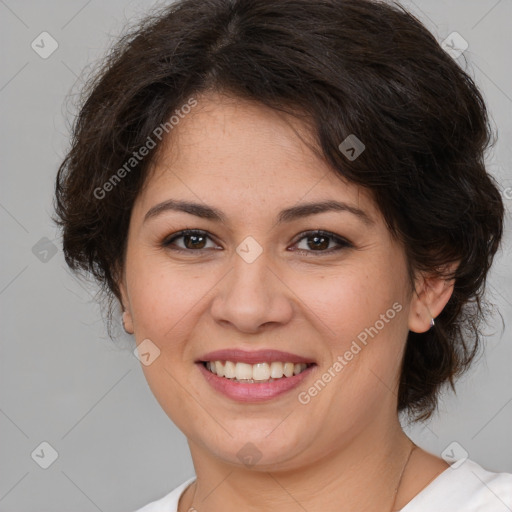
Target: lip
{"type": "Point", "coordinates": [253, 356]}
{"type": "Point", "coordinates": [255, 392]}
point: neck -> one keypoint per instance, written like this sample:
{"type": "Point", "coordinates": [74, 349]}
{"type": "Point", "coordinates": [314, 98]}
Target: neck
{"type": "Point", "coordinates": [362, 475]}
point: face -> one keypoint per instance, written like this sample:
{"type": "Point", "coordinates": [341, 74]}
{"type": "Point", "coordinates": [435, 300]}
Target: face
{"type": "Point", "coordinates": [261, 278]}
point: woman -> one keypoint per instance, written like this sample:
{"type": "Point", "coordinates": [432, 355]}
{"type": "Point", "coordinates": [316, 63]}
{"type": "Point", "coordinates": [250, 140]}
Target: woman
{"type": "Point", "coordinates": [289, 202]}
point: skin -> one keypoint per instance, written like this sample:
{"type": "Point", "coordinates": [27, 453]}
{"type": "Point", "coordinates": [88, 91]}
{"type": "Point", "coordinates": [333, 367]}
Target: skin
{"type": "Point", "coordinates": [346, 445]}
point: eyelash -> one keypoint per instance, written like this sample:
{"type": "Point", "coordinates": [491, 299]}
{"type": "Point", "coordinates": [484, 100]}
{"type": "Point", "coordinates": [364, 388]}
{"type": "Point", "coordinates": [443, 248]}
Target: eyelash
{"type": "Point", "coordinates": [342, 243]}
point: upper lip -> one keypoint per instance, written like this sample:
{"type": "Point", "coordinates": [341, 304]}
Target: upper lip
{"type": "Point", "coordinates": [253, 356]}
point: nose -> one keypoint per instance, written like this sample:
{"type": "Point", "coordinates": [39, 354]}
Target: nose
{"type": "Point", "coordinates": [252, 297]}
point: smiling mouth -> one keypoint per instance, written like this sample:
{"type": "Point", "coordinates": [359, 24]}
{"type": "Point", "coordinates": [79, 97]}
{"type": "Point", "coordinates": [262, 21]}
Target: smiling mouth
{"type": "Point", "coordinates": [255, 373]}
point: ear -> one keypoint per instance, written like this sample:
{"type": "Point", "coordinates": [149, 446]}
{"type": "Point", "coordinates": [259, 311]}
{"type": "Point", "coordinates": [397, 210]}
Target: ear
{"type": "Point", "coordinates": [125, 304]}
{"type": "Point", "coordinates": [431, 294]}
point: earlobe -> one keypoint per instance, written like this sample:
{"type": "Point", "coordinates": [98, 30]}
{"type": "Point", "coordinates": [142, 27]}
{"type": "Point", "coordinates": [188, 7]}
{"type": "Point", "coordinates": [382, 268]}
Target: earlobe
{"type": "Point", "coordinates": [431, 295]}
{"type": "Point", "coordinates": [127, 322]}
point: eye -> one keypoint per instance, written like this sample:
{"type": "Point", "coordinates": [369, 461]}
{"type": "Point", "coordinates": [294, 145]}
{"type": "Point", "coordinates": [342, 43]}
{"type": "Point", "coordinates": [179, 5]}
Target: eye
{"type": "Point", "coordinates": [193, 240]}
{"type": "Point", "coordinates": [320, 241]}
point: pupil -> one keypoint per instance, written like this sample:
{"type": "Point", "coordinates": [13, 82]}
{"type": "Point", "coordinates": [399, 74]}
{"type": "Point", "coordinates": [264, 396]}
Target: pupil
{"type": "Point", "coordinates": [195, 238]}
{"type": "Point", "coordinates": [322, 245]}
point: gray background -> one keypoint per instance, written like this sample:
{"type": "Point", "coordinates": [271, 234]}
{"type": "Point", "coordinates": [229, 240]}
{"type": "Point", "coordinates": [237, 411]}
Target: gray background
{"type": "Point", "coordinates": [64, 382]}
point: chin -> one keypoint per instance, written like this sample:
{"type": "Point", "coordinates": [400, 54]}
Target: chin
{"type": "Point", "coordinates": [256, 449]}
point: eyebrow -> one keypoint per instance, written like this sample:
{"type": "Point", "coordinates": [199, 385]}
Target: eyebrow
{"type": "Point", "coordinates": [286, 215]}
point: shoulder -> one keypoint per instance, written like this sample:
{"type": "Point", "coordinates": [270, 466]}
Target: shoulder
{"type": "Point", "coordinates": [465, 488]}
{"type": "Point", "coordinates": [169, 503]}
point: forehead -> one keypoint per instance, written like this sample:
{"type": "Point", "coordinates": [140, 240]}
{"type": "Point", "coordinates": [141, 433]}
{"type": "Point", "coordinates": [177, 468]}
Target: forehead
{"type": "Point", "coordinates": [234, 152]}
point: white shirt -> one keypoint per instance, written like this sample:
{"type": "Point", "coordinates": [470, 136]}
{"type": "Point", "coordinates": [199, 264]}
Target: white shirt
{"type": "Point", "coordinates": [469, 488]}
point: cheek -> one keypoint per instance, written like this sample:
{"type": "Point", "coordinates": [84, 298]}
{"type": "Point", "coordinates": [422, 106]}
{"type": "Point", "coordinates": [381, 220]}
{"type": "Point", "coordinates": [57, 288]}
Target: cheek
{"type": "Point", "coordinates": [361, 314]}
{"type": "Point", "coordinates": [165, 305]}
{"type": "Point", "coordinates": [162, 296]}
{"type": "Point", "coordinates": [346, 302]}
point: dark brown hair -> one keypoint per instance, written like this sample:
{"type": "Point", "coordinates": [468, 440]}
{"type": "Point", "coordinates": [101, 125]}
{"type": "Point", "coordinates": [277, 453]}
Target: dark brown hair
{"type": "Point", "coordinates": [350, 67]}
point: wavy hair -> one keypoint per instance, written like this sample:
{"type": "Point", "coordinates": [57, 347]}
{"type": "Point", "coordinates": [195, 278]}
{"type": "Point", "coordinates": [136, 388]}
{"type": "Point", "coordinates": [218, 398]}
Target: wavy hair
{"type": "Point", "coordinates": [347, 67]}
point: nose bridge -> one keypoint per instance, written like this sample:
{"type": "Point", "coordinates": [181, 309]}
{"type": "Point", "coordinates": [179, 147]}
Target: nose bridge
{"type": "Point", "coordinates": [251, 295]}
{"type": "Point", "coordinates": [250, 263]}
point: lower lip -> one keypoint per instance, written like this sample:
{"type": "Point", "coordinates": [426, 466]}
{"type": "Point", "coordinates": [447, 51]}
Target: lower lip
{"type": "Point", "coordinates": [256, 392]}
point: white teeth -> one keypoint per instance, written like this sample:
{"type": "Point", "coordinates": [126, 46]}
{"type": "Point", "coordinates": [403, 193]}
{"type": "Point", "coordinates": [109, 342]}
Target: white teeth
{"type": "Point", "coordinates": [261, 371]}
{"type": "Point", "coordinates": [230, 370]}
{"type": "Point", "coordinates": [276, 370]}
{"type": "Point", "coordinates": [288, 369]}
{"type": "Point", "coordinates": [242, 371]}
{"type": "Point", "coordinates": [219, 368]}
{"type": "Point", "coordinates": [258, 372]}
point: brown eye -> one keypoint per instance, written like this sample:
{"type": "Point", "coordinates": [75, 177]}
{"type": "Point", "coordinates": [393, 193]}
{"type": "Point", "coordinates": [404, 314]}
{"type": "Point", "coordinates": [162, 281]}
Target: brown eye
{"type": "Point", "coordinates": [320, 242]}
{"type": "Point", "coordinates": [192, 240]}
